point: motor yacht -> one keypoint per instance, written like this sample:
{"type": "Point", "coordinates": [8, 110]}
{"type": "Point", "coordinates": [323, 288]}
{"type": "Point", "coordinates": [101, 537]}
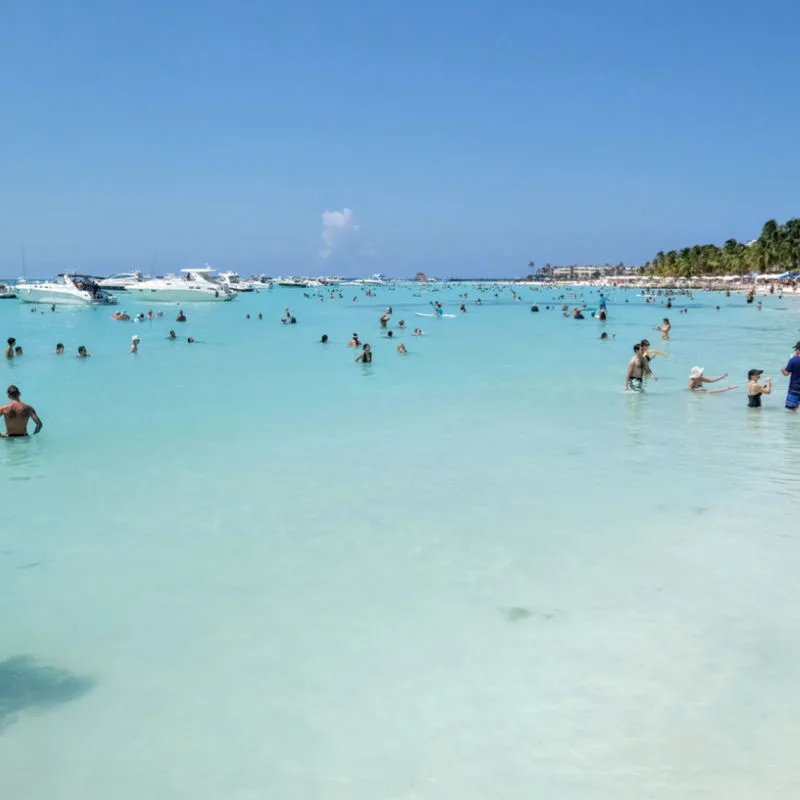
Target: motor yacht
{"type": "Point", "coordinates": [7, 292]}
{"type": "Point", "coordinates": [193, 286]}
{"type": "Point", "coordinates": [67, 289]}
{"type": "Point", "coordinates": [121, 281]}
{"type": "Point", "coordinates": [235, 283]}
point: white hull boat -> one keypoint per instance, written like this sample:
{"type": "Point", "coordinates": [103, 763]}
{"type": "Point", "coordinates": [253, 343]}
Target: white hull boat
{"type": "Point", "coordinates": [195, 286]}
{"type": "Point", "coordinates": [69, 289]}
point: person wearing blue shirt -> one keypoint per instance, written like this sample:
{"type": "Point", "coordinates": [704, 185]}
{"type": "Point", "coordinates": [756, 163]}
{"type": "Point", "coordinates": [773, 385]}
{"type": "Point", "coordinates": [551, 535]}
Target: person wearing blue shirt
{"type": "Point", "coordinates": [792, 370]}
{"type": "Point", "coordinates": [602, 301]}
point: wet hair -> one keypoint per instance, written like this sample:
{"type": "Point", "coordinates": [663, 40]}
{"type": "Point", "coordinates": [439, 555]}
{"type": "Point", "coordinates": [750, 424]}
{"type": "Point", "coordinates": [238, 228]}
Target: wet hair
{"type": "Point", "coordinates": [13, 392]}
{"type": "Point", "coordinates": [390, 334]}
{"type": "Point", "coordinates": [82, 349]}
{"type": "Point", "coordinates": [637, 348]}
{"type": "Point", "coordinates": [17, 349]}
{"type": "Point", "coordinates": [11, 341]}
{"type": "Point", "coordinates": [59, 345]}
{"type": "Point", "coordinates": [324, 337]}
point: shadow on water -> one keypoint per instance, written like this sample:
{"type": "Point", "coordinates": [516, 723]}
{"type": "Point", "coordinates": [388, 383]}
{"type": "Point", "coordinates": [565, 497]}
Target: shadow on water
{"type": "Point", "coordinates": [27, 686]}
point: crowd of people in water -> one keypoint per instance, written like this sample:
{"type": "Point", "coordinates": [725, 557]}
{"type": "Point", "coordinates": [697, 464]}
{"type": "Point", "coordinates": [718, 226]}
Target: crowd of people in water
{"type": "Point", "coordinates": [17, 414]}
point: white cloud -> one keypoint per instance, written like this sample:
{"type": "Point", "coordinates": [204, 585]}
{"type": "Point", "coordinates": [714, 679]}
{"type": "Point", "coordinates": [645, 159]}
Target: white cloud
{"type": "Point", "coordinates": [339, 229]}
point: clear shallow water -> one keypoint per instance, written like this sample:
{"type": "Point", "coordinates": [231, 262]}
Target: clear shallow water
{"type": "Point", "coordinates": [251, 568]}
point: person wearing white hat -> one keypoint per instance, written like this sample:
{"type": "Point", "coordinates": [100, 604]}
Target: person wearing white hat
{"type": "Point", "coordinates": [697, 379]}
{"type": "Point", "coordinates": [134, 343]}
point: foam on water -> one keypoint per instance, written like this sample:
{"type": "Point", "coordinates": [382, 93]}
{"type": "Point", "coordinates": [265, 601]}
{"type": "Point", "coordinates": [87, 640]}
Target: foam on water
{"type": "Point", "coordinates": [251, 568]}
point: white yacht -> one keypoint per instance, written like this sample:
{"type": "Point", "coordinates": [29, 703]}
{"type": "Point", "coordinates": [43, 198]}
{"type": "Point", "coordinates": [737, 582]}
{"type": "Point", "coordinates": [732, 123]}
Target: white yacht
{"type": "Point", "coordinates": [7, 292]}
{"type": "Point", "coordinates": [194, 286]}
{"type": "Point", "coordinates": [235, 283]}
{"type": "Point", "coordinates": [121, 281]}
{"type": "Point", "coordinates": [376, 280]}
{"type": "Point", "coordinates": [67, 289]}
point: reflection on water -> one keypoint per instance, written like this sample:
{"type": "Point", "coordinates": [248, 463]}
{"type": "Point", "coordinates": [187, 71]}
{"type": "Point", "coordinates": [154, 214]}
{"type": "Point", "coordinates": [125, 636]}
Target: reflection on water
{"type": "Point", "coordinates": [19, 456]}
{"type": "Point", "coordinates": [26, 686]}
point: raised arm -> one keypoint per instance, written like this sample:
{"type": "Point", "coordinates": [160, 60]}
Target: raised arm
{"type": "Point", "coordinates": [714, 380]}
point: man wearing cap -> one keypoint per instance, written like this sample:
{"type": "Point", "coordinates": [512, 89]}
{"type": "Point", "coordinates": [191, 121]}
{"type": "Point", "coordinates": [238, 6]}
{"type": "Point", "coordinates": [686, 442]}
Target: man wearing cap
{"type": "Point", "coordinates": [16, 414]}
{"type": "Point", "coordinates": [792, 371]}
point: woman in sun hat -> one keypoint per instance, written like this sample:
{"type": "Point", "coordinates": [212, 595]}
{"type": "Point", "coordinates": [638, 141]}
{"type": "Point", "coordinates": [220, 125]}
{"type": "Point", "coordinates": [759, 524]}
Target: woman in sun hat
{"type": "Point", "coordinates": [134, 343]}
{"type": "Point", "coordinates": [697, 379]}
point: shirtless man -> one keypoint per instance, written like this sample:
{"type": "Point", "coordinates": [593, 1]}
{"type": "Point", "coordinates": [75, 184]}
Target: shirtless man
{"type": "Point", "coordinates": [637, 369]}
{"type": "Point", "coordinates": [10, 349]}
{"type": "Point", "coordinates": [16, 415]}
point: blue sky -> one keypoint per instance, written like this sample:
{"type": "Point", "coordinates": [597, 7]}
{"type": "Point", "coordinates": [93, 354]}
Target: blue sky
{"type": "Point", "coordinates": [450, 137]}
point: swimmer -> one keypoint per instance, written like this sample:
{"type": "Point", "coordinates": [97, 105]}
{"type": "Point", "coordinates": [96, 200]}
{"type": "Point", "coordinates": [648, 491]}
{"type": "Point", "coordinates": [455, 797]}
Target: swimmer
{"type": "Point", "coordinates": [665, 328]}
{"type": "Point", "coordinates": [401, 324]}
{"type": "Point", "coordinates": [59, 349]}
{"type": "Point", "coordinates": [149, 315]}
{"type": "Point", "coordinates": [10, 349]}
{"type": "Point", "coordinates": [604, 335]}
{"type": "Point", "coordinates": [247, 316]}
{"type": "Point", "coordinates": [134, 344]}
{"type": "Point", "coordinates": [755, 389]}
{"type": "Point", "coordinates": [354, 341]}
{"type": "Point", "coordinates": [181, 316]}
{"type": "Point", "coordinates": [17, 351]}
{"type": "Point", "coordinates": [384, 320]}
{"type": "Point", "coordinates": [324, 339]}
{"type": "Point", "coordinates": [602, 315]}
{"type": "Point", "coordinates": [172, 335]}
{"type": "Point", "coordinates": [261, 316]}
{"type": "Point", "coordinates": [637, 368]}
{"type": "Point", "coordinates": [697, 379]}
{"type": "Point", "coordinates": [792, 369]}
{"type": "Point", "coordinates": [82, 352]}
{"type": "Point", "coordinates": [190, 340]}
{"type": "Point", "coordinates": [390, 334]}
{"type": "Point", "coordinates": [401, 349]}
{"type": "Point", "coordinates": [418, 332]}
{"type": "Point", "coordinates": [463, 309]}
{"type": "Point", "coordinates": [534, 308]}
{"type": "Point", "coordinates": [293, 321]}
{"type": "Point", "coordinates": [16, 414]}
{"type": "Point", "coordinates": [365, 357]}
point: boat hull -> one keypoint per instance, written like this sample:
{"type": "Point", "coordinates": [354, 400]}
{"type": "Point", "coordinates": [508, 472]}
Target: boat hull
{"type": "Point", "coordinates": [178, 295]}
{"type": "Point", "coordinates": [32, 294]}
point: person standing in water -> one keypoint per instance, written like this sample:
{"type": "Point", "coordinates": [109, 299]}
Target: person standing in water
{"type": "Point", "coordinates": [365, 356]}
{"type": "Point", "coordinates": [792, 371]}
{"type": "Point", "coordinates": [755, 389]}
{"type": "Point", "coordinates": [637, 368]}
{"type": "Point", "coordinates": [10, 349]}
{"type": "Point", "coordinates": [16, 414]}
{"type": "Point", "coordinates": [665, 328]}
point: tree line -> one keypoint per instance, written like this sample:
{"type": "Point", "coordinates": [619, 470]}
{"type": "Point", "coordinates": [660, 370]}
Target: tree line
{"type": "Point", "coordinates": [777, 249]}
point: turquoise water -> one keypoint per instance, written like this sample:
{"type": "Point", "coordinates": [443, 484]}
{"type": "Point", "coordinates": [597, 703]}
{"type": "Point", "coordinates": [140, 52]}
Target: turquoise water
{"type": "Point", "coordinates": [251, 568]}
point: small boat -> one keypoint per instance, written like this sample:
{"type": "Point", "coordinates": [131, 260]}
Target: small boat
{"type": "Point", "coordinates": [67, 289]}
{"type": "Point", "coordinates": [6, 292]}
